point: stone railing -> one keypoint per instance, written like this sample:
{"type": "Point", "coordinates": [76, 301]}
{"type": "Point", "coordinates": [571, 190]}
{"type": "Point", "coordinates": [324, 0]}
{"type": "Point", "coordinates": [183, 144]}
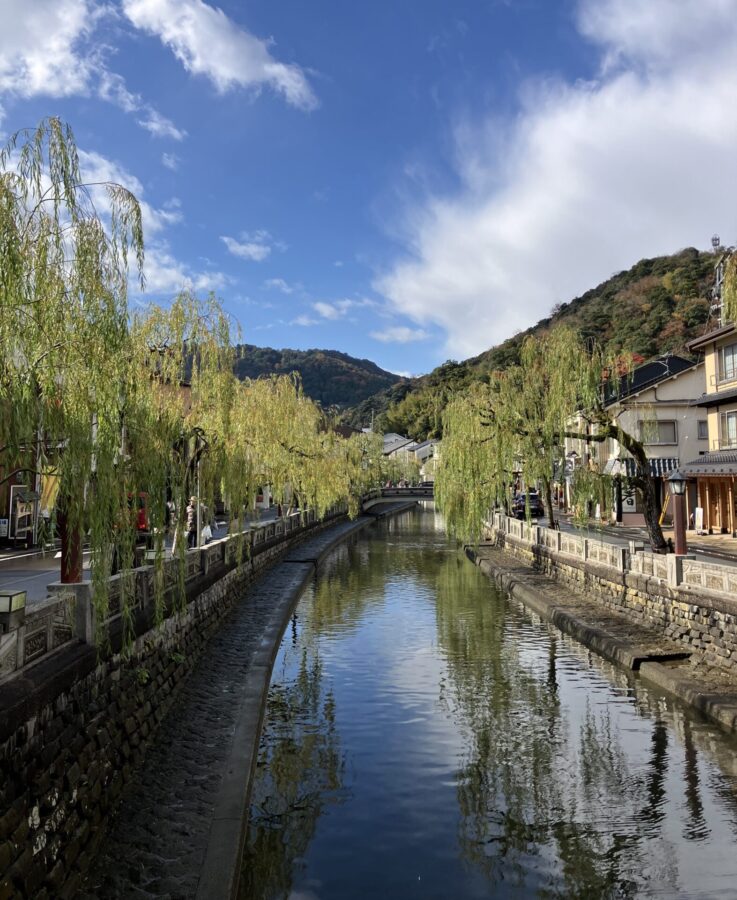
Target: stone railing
{"type": "Point", "coordinates": [692, 602]}
{"type": "Point", "coordinates": [570, 544]}
{"type": "Point", "coordinates": [712, 577]}
{"type": "Point", "coordinates": [668, 569]}
{"type": "Point", "coordinates": [650, 565]}
{"type": "Point", "coordinates": [68, 613]}
{"type": "Point", "coordinates": [47, 626]}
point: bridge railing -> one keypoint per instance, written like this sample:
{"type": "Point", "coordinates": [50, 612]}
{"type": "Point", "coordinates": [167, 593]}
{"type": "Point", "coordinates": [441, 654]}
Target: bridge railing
{"type": "Point", "coordinates": [408, 492]}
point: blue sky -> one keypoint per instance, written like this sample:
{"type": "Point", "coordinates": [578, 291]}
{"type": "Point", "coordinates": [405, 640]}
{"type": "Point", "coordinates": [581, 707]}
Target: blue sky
{"type": "Point", "coordinates": [407, 182]}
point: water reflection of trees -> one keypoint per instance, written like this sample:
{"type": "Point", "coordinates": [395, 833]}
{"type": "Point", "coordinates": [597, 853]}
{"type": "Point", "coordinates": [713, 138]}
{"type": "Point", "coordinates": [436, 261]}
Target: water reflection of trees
{"type": "Point", "coordinates": [299, 771]}
{"type": "Point", "coordinates": [547, 798]}
{"type": "Point", "coordinates": [541, 804]}
{"type": "Point", "coordinates": [354, 579]}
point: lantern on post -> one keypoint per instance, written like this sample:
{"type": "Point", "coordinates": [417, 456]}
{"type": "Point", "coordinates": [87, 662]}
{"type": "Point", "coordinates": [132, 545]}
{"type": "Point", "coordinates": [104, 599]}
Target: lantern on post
{"type": "Point", "coordinates": [678, 483]}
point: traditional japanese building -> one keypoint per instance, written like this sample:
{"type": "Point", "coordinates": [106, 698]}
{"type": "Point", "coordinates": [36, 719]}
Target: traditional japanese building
{"type": "Point", "coordinates": [715, 471]}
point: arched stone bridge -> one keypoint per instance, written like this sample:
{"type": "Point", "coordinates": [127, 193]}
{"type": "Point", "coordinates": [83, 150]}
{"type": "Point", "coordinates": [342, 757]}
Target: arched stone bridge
{"type": "Point", "coordinates": [409, 493]}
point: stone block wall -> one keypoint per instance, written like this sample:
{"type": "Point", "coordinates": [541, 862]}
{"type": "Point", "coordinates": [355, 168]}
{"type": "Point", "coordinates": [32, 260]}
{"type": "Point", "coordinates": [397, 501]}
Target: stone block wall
{"type": "Point", "coordinates": [75, 727]}
{"type": "Point", "coordinates": [704, 621]}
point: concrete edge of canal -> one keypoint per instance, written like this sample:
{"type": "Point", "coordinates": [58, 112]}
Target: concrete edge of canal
{"type": "Point", "coordinates": [220, 871]}
{"type": "Point", "coordinates": [661, 666]}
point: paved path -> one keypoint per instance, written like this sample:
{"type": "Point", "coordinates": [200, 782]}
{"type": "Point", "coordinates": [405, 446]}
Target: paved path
{"type": "Point", "coordinates": [157, 842]}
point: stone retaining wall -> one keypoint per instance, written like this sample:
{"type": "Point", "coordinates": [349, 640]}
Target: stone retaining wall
{"type": "Point", "coordinates": [74, 727]}
{"type": "Point", "coordinates": [667, 592]}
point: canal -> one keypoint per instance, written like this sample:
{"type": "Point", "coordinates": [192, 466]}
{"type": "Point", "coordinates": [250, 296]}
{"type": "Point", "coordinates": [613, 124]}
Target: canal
{"type": "Point", "coordinates": [426, 736]}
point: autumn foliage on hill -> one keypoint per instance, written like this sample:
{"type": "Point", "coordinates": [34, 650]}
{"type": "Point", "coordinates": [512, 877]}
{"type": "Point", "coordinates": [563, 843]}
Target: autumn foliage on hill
{"type": "Point", "coordinates": [655, 307]}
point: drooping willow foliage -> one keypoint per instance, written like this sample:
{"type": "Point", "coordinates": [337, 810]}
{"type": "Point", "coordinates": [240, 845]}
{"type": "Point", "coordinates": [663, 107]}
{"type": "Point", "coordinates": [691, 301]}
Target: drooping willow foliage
{"type": "Point", "coordinates": [514, 424]}
{"type": "Point", "coordinates": [117, 405]}
{"type": "Point", "coordinates": [515, 427]}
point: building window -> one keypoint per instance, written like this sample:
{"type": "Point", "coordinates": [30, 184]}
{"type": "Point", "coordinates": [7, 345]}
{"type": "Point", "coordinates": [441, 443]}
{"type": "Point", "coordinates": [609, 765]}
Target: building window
{"type": "Point", "coordinates": [728, 429]}
{"type": "Point", "coordinates": [728, 363]}
{"type": "Point", "coordinates": [656, 432]}
{"type": "Point", "coordinates": [703, 430]}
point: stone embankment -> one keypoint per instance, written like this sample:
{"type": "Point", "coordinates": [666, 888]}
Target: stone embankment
{"type": "Point", "coordinates": [631, 608]}
{"type": "Point", "coordinates": [76, 727]}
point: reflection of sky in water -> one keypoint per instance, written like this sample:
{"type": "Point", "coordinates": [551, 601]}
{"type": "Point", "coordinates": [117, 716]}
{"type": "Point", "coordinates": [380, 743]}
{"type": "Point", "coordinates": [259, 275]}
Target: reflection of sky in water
{"type": "Point", "coordinates": [472, 750]}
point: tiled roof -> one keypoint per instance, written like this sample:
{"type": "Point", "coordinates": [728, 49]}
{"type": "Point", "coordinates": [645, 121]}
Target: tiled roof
{"type": "Point", "coordinates": [718, 462]}
{"type": "Point", "coordinates": [716, 398]}
{"type": "Point", "coordinates": [647, 375]}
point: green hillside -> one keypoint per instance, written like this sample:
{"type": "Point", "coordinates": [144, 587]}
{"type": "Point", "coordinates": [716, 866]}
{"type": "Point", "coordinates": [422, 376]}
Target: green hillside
{"type": "Point", "coordinates": [328, 376]}
{"type": "Point", "coordinates": [656, 306]}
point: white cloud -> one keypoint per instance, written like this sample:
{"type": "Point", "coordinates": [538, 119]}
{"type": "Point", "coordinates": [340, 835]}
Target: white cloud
{"type": "Point", "coordinates": [166, 275]}
{"type": "Point", "coordinates": [339, 308]}
{"type": "Point", "coordinates": [98, 170]}
{"type": "Point", "coordinates": [589, 179]}
{"type": "Point", "coordinates": [279, 284]}
{"type": "Point", "coordinates": [658, 33]}
{"type": "Point", "coordinates": [304, 320]}
{"type": "Point", "coordinates": [164, 272]}
{"type": "Point", "coordinates": [208, 43]}
{"type": "Point", "coordinates": [50, 48]}
{"type": "Point", "coordinates": [171, 161]}
{"type": "Point", "coordinates": [159, 126]}
{"type": "Point", "coordinates": [400, 334]}
{"type": "Point", "coordinates": [38, 47]}
{"type": "Point", "coordinates": [253, 247]}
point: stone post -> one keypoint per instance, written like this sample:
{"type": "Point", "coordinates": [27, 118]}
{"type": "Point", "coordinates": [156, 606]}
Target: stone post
{"type": "Point", "coordinates": [674, 567]}
{"type": "Point", "coordinates": [623, 559]}
{"type": "Point", "coordinates": [84, 613]}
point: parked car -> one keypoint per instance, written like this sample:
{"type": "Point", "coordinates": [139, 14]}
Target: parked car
{"type": "Point", "coordinates": [519, 508]}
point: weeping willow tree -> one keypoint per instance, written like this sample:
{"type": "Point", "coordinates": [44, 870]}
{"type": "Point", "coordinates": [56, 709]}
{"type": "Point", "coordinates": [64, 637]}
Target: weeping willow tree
{"type": "Point", "coordinates": [117, 405]}
{"type": "Point", "coordinates": [367, 450]}
{"type": "Point", "coordinates": [519, 422]}
{"type": "Point", "coordinates": [284, 440]}
{"type": "Point", "coordinates": [193, 429]}
{"type": "Point", "coordinates": [63, 322]}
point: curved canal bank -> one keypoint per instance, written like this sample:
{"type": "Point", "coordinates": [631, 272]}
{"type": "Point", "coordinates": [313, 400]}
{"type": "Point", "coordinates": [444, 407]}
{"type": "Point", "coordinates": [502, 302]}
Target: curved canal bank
{"type": "Point", "coordinates": [181, 814]}
{"type": "Point", "coordinates": [427, 735]}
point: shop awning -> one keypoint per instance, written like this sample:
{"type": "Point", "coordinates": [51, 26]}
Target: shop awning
{"type": "Point", "coordinates": [659, 468]}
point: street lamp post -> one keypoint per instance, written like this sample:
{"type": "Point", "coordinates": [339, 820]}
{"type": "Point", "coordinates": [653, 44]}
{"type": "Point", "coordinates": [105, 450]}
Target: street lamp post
{"type": "Point", "coordinates": [678, 484]}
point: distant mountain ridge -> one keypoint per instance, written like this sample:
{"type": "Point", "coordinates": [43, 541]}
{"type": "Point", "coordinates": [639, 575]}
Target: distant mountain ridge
{"type": "Point", "coordinates": [655, 307]}
{"type": "Point", "coordinates": [330, 377]}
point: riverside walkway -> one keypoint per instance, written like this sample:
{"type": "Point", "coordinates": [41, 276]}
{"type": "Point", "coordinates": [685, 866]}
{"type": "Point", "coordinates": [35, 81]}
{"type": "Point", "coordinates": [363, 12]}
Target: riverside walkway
{"type": "Point", "coordinates": [157, 844]}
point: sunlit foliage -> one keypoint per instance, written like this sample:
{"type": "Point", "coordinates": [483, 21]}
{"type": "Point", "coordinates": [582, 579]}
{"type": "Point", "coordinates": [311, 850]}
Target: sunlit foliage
{"type": "Point", "coordinates": [514, 428]}
{"type": "Point", "coordinates": [116, 404]}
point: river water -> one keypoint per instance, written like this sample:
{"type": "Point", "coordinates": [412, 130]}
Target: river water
{"type": "Point", "coordinates": [428, 737]}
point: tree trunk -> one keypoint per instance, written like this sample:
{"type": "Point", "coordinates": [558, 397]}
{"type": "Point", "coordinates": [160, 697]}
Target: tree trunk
{"type": "Point", "coordinates": [643, 481]}
{"type": "Point", "coordinates": [71, 550]}
{"type": "Point", "coordinates": [652, 515]}
{"type": "Point", "coordinates": [548, 495]}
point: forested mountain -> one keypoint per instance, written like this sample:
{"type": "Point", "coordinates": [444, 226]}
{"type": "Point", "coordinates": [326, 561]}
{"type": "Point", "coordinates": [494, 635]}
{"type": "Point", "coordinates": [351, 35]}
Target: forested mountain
{"type": "Point", "coordinates": [656, 306]}
{"type": "Point", "coordinates": [328, 376]}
